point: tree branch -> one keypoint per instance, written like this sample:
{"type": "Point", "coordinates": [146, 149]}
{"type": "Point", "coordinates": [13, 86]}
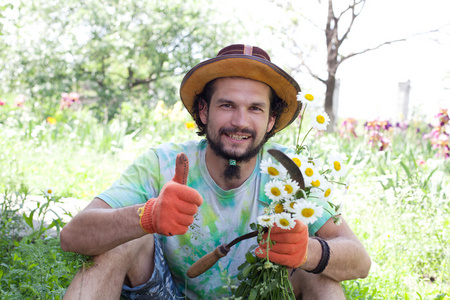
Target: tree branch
{"type": "Point", "coordinates": [354, 16]}
{"type": "Point", "coordinates": [388, 42]}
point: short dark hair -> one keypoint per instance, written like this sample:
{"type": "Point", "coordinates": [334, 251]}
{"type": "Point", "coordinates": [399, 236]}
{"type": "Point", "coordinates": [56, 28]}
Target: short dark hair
{"type": "Point", "coordinates": [277, 107]}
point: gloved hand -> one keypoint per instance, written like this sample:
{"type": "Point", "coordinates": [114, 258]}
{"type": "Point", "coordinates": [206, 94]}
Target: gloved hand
{"type": "Point", "coordinates": [172, 212]}
{"type": "Point", "coordinates": [291, 245]}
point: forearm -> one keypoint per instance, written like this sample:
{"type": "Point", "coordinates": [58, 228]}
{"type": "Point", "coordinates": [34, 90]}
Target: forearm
{"type": "Point", "coordinates": [97, 230]}
{"type": "Point", "coordinates": [348, 258]}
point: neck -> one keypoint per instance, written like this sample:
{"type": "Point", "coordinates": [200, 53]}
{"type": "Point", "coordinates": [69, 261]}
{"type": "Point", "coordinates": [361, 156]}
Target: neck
{"type": "Point", "coordinates": [216, 166]}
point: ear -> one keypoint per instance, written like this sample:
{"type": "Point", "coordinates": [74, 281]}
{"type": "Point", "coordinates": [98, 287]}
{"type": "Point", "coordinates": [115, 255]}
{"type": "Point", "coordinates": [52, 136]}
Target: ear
{"type": "Point", "coordinates": [203, 111]}
{"type": "Point", "coordinates": [271, 123]}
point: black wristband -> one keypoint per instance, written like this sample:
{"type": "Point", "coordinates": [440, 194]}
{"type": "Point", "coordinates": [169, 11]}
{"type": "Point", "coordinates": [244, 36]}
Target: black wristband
{"type": "Point", "coordinates": [324, 259]}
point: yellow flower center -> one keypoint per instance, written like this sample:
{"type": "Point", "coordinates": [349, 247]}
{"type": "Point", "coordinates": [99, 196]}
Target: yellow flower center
{"type": "Point", "coordinates": [307, 212]}
{"type": "Point", "coordinates": [320, 119]}
{"type": "Point", "coordinates": [327, 192]}
{"type": "Point", "coordinates": [337, 166]}
{"type": "Point", "coordinates": [284, 222]}
{"type": "Point", "coordinates": [292, 204]}
{"type": "Point", "coordinates": [297, 161]}
{"type": "Point", "coordinates": [279, 208]}
{"type": "Point", "coordinates": [288, 188]}
{"type": "Point", "coordinates": [309, 97]}
{"type": "Point", "coordinates": [309, 172]}
{"type": "Point", "coordinates": [275, 191]}
{"type": "Point", "coordinates": [266, 219]}
{"type": "Point", "coordinates": [273, 171]}
{"type": "Point", "coordinates": [49, 191]}
{"type": "Point", "coordinates": [315, 183]}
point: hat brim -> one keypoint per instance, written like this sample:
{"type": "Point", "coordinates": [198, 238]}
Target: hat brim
{"type": "Point", "coordinates": [245, 66]}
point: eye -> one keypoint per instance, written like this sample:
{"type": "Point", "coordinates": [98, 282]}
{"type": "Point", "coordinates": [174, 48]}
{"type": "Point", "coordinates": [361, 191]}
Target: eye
{"type": "Point", "coordinates": [226, 105]}
{"type": "Point", "coordinates": [256, 109]}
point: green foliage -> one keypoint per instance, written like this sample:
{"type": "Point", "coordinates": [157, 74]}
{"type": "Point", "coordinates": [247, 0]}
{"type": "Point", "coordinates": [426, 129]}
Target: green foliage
{"type": "Point", "coordinates": [110, 51]}
{"type": "Point", "coordinates": [397, 204]}
{"type": "Point", "coordinates": [260, 279]}
{"type": "Point", "coordinates": [33, 266]}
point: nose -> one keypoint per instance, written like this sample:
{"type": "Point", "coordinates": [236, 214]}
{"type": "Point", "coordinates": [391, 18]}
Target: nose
{"type": "Point", "coordinates": [240, 118]}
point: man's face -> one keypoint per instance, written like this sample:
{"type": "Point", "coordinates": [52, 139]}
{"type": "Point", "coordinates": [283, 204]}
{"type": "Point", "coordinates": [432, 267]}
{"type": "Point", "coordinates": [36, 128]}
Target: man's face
{"type": "Point", "coordinates": [237, 118]}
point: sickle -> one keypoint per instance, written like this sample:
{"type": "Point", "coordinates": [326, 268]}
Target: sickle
{"type": "Point", "coordinates": [290, 166]}
{"type": "Point", "coordinates": [206, 262]}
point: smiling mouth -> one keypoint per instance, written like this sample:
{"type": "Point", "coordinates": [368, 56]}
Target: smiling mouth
{"type": "Point", "coordinates": [238, 137]}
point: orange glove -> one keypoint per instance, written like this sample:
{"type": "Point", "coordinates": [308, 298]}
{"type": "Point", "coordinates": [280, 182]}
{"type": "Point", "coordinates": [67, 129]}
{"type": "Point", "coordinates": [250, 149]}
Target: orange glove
{"type": "Point", "coordinates": [172, 212]}
{"type": "Point", "coordinates": [291, 245]}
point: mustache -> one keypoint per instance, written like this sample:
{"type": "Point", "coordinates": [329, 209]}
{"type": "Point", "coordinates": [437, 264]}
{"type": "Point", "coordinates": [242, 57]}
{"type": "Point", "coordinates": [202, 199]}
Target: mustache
{"type": "Point", "coordinates": [234, 130]}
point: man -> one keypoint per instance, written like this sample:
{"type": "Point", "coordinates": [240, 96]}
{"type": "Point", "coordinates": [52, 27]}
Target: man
{"type": "Point", "coordinates": [177, 202]}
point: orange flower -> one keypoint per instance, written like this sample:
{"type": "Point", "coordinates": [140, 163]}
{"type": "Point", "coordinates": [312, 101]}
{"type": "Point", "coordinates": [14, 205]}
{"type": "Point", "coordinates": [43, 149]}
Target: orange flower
{"type": "Point", "coordinates": [51, 120]}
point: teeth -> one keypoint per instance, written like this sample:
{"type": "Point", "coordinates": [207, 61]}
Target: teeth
{"type": "Point", "coordinates": [239, 137]}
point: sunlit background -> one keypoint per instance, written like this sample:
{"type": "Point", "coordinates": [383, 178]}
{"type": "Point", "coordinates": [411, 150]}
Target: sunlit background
{"type": "Point", "coordinates": [369, 83]}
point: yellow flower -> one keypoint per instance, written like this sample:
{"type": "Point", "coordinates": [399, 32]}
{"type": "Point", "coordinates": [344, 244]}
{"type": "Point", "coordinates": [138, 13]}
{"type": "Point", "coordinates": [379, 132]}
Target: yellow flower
{"type": "Point", "coordinates": [51, 120]}
{"type": "Point", "coordinates": [190, 125]}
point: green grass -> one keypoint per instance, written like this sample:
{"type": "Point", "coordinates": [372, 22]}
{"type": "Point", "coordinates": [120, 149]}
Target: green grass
{"type": "Point", "coordinates": [398, 208]}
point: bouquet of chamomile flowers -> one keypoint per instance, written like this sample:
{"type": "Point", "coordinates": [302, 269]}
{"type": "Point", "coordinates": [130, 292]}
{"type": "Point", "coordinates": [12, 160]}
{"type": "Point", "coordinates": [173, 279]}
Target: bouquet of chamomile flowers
{"type": "Point", "coordinates": [260, 278]}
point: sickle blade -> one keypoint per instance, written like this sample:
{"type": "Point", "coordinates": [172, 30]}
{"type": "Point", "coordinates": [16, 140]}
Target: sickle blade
{"type": "Point", "coordinates": [290, 166]}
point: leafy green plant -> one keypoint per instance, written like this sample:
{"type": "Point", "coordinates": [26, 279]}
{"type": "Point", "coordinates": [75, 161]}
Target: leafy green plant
{"type": "Point", "coordinates": [32, 266]}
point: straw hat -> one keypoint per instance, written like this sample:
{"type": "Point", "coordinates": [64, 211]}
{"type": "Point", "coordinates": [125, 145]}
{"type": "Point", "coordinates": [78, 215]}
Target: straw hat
{"type": "Point", "coordinates": [248, 62]}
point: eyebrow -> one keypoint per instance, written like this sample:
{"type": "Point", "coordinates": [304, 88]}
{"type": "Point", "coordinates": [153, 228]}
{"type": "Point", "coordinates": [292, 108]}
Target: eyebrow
{"type": "Point", "coordinates": [259, 104]}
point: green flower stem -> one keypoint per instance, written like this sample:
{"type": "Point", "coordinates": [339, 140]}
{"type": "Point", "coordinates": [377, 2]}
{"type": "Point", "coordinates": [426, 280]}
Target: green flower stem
{"type": "Point", "coordinates": [268, 242]}
{"type": "Point", "coordinates": [300, 127]}
{"type": "Point", "coordinates": [305, 136]}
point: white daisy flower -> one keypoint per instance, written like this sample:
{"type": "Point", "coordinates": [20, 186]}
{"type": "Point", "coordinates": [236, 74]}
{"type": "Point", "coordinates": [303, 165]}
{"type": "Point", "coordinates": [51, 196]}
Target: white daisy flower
{"type": "Point", "coordinates": [307, 212]}
{"type": "Point", "coordinates": [337, 166]}
{"type": "Point", "coordinates": [288, 206]}
{"type": "Point", "coordinates": [273, 169]}
{"type": "Point", "coordinates": [291, 187]}
{"type": "Point", "coordinates": [266, 220]}
{"type": "Point", "coordinates": [315, 161]}
{"type": "Point", "coordinates": [49, 192]}
{"type": "Point", "coordinates": [298, 159]}
{"type": "Point", "coordinates": [325, 192]}
{"type": "Point", "coordinates": [274, 189]}
{"type": "Point", "coordinates": [308, 170]}
{"type": "Point", "coordinates": [284, 221]}
{"type": "Point", "coordinates": [318, 181]}
{"type": "Point", "coordinates": [307, 98]}
{"type": "Point", "coordinates": [319, 120]}
{"type": "Point", "coordinates": [278, 207]}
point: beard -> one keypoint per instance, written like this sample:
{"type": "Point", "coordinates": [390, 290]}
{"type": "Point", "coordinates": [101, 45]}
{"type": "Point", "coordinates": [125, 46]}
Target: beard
{"type": "Point", "coordinates": [214, 142]}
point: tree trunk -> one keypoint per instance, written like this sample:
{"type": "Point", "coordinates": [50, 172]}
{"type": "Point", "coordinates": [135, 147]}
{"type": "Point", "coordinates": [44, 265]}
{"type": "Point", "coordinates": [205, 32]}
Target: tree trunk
{"type": "Point", "coordinates": [330, 84]}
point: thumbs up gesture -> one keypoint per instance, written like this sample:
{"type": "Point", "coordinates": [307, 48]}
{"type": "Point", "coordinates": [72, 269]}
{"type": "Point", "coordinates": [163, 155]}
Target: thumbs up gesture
{"type": "Point", "coordinates": [172, 212]}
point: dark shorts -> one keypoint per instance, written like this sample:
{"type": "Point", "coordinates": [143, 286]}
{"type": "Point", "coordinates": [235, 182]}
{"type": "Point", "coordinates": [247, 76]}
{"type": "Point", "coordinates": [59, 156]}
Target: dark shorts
{"type": "Point", "coordinates": [160, 285]}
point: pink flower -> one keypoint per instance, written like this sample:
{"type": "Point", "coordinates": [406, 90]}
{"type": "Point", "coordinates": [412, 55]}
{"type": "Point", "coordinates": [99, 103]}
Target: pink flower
{"type": "Point", "coordinates": [19, 101]}
{"type": "Point", "coordinates": [420, 162]}
{"type": "Point", "coordinates": [2, 103]}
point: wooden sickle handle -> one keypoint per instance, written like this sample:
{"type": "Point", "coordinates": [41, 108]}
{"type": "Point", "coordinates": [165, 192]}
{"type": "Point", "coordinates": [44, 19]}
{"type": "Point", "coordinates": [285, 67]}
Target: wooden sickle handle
{"type": "Point", "coordinates": [206, 262]}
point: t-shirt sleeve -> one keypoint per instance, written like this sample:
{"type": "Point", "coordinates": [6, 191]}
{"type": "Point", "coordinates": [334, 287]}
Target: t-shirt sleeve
{"type": "Point", "coordinates": [138, 183]}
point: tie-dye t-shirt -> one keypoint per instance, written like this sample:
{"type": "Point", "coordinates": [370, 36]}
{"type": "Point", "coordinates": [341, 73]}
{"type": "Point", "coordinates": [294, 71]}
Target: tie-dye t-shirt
{"type": "Point", "coordinates": [223, 216]}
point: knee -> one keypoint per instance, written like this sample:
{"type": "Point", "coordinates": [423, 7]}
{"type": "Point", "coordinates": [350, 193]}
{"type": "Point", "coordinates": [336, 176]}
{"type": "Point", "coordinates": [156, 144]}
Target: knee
{"type": "Point", "coordinates": [315, 286]}
{"type": "Point", "coordinates": [123, 257]}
